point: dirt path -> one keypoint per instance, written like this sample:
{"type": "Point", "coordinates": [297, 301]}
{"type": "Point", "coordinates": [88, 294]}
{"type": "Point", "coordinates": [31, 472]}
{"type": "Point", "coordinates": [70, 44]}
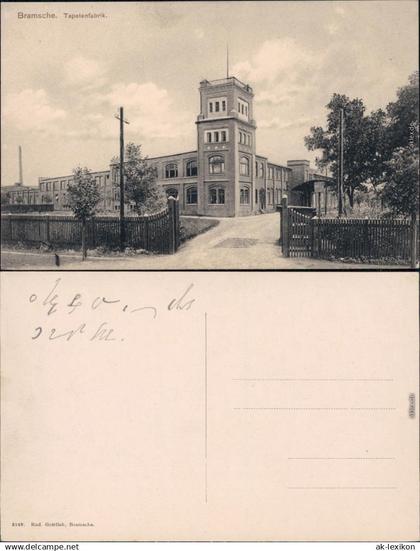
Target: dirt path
{"type": "Point", "coordinates": [236, 243]}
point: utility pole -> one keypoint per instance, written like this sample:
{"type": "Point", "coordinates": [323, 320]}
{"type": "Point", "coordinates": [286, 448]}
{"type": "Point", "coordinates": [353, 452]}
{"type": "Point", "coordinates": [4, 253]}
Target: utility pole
{"type": "Point", "coordinates": [340, 172]}
{"type": "Point", "coordinates": [122, 228]}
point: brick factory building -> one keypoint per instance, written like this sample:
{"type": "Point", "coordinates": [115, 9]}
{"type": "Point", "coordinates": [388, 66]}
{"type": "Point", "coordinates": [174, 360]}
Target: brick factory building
{"type": "Point", "coordinates": [224, 176]}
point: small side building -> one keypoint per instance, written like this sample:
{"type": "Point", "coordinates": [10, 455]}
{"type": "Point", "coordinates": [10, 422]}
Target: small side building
{"type": "Point", "coordinates": [19, 194]}
{"type": "Point", "coordinates": [310, 188]}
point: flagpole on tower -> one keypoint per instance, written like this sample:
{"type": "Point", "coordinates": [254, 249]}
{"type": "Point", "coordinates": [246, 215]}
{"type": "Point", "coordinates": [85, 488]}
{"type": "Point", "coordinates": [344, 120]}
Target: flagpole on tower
{"type": "Point", "coordinates": [227, 60]}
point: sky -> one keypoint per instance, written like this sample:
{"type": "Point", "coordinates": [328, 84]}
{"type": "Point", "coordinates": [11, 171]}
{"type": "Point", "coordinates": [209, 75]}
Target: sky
{"type": "Point", "coordinates": [63, 79]}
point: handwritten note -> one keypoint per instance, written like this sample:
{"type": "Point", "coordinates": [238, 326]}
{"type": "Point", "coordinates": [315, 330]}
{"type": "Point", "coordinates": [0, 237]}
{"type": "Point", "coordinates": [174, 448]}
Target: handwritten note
{"type": "Point", "coordinates": [55, 302]}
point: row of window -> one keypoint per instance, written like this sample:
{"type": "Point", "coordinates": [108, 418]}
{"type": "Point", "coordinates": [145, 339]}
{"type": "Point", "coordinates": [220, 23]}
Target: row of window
{"type": "Point", "coordinates": [217, 166]}
{"type": "Point", "coordinates": [243, 107]}
{"type": "Point", "coordinates": [216, 195]}
{"type": "Point", "coordinates": [272, 195]}
{"type": "Point", "coordinates": [217, 105]}
{"type": "Point", "coordinates": [280, 175]}
{"type": "Point", "coordinates": [259, 169]}
{"type": "Point", "coordinates": [216, 136]}
{"type": "Point", "coordinates": [54, 186]}
{"type": "Point", "coordinates": [171, 169]}
{"type": "Point", "coordinates": [62, 184]}
{"type": "Point", "coordinates": [245, 138]}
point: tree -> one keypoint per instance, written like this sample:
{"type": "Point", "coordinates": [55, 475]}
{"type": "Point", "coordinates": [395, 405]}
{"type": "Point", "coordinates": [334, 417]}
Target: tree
{"type": "Point", "coordinates": [403, 114]}
{"type": "Point", "coordinates": [83, 199]}
{"type": "Point", "coordinates": [363, 143]}
{"type": "Point", "coordinates": [140, 182]}
{"type": "Point", "coordinates": [5, 198]}
{"type": "Point", "coordinates": [377, 142]}
{"type": "Point", "coordinates": [401, 191]}
{"type": "Point", "coordinates": [375, 145]}
{"type": "Point", "coordinates": [401, 187]}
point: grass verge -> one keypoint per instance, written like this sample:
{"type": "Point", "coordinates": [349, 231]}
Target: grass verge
{"type": "Point", "coordinates": [191, 227]}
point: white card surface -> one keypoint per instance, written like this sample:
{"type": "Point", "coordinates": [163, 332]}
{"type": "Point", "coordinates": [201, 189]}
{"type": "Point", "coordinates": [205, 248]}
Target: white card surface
{"type": "Point", "coordinates": [209, 406]}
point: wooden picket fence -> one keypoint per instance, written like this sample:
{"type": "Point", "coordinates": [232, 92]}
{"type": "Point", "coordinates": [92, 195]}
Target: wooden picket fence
{"type": "Point", "coordinates": [158, 233]}
{"type": "Point", "coordinates": [304, 235]}
{"type": "Point", "coordinates": [362, 238]}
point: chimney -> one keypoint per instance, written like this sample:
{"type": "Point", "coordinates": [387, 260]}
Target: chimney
{"type": "Point", "coordinates": [20, 166]}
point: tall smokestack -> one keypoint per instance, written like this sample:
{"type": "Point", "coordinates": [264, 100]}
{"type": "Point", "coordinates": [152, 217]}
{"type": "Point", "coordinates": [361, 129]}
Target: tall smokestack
{"type": "Point", "coordinates": [20, 166]}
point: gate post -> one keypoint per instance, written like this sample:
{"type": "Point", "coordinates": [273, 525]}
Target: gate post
{"type": "Point", "coordinates": [413, 232]}
{"type": "Point", "coordinates": [176, 224]}
{"type": "Point", "coordinates": [285, 226]}
{"type": "Point", "coordinates": [312, 222]}
{"type": "Point", "coordinates": [146, 233]}
{"type": "Point", "coordinates": [172, 225]}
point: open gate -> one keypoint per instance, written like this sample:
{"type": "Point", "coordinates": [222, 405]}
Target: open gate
{"type": "Point", "coordinates": [300, 234]}
{"type": "Point", "coordinates": [296, 230]}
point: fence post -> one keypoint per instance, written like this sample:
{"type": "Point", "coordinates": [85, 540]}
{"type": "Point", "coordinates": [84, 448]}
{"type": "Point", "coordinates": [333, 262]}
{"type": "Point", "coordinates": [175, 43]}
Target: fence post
{"type": "Point", "coordinates": [313, 222]}
{"type": "Point", "coordinates": [146, 232]}
{"type": "Point", "coordinates": [285, 226]}
{"type": "Point", "coordinates": [172, 221]}
{"type": "Point", "coordinates": [413, 232]}
{"type": "Point", "coordinates": [366, 237]}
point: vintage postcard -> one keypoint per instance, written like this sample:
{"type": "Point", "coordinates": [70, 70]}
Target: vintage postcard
{"type": "Point", "coordinates": [209, 135]}
{"type": "Point", "coordinates": [210, 406]}
{"type": "Point", "coordinates": [165, 167]}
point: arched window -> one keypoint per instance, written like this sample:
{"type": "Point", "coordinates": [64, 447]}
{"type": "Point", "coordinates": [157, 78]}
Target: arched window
{"type": "Point", "coordinates": [244, 196]}
{"type": "Point", "coordinates": [216, 164]}
{"type": "Point", "coordinates": [171, 170]}
{"type": "Point", "coordinates": [192, 168]}
{"type": "Point", "coordinates": [244, 166]}
{"type": "Point", "coordinates": [217, 196]}
{"type": "Point", "coordinates": [192, 195]}
{"type": "Point", "coordinates": [172, 192]}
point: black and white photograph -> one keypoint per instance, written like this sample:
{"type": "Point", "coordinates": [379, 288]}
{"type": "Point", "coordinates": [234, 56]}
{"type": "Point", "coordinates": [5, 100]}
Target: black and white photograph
{"type": "Point", "coordinates": [210, 135]}
{"type": "Point", "coordinates": [209, 281]}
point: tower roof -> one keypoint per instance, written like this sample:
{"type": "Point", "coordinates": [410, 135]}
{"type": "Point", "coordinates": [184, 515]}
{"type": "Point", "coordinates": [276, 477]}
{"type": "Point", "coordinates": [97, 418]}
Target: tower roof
{"type": "Point", "coordinates": [232, 81]}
